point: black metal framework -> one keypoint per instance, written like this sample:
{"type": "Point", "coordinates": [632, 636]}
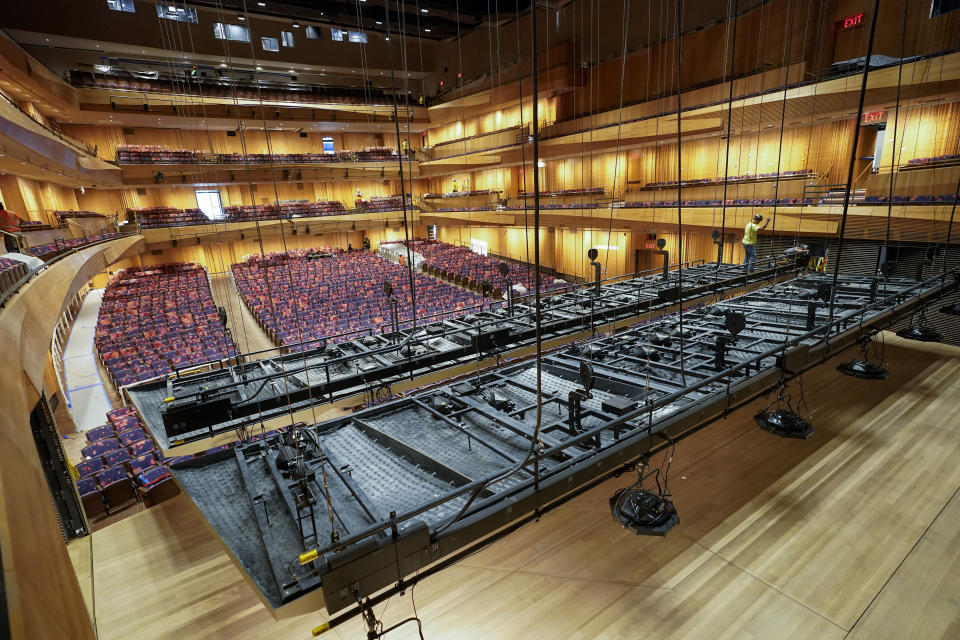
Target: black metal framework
{"type": "Point", "coordinates": [418, 479]}
{"type": "Point", "coordinates": [236, 395]}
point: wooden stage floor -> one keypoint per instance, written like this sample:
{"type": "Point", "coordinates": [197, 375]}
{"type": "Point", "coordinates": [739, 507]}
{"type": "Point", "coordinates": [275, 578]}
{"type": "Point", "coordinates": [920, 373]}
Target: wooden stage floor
{"type": "Point", "coordinates": [854, 533]}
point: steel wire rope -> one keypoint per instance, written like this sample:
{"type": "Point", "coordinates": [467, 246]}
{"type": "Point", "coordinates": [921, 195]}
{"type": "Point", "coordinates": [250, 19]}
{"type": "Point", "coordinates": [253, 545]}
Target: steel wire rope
{"type": "Point", "coordinates": [679, 23]}
{"type": "Point", "coordinates": [850, 169]}
{"type": "Point", "coordinates": [535, 445]}
{"type": "Point", "coordinates": [173, 41]}
{"type": "Point", "coordinates": [896, 147]}
{"type": "Point", "coordinates": [226, 293]}
{"type": "Point", "coordinates": [616, 156]}
{"type": "Point", "coordinates": [730, 21]}
{"type": "Point", "coordinates": [726, 163]}
{"type": "Point", "coordinates": [283, 240]}
{"type": "Point", "coordinates": [403, 186]}
{"type": "Point", "coordinates": [783, 122]}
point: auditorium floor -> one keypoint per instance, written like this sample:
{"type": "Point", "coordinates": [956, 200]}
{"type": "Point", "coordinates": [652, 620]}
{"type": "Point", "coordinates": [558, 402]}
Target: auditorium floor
{"type": "Point", "coordinates": [87, 395]}
{"type": "Point", "coordinates": [247, 334]}
{"type": "Point", "coordinates": [854, 533]}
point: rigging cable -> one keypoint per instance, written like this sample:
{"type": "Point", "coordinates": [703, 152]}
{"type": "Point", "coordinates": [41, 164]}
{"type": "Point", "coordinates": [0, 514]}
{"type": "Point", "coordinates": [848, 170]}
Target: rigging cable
{"type": "Point", "coordinates": [850, 168]}
{"type": "Point", "coordinates": [679, 21]}
{"type": "Point", "coordinates": [726, 163]}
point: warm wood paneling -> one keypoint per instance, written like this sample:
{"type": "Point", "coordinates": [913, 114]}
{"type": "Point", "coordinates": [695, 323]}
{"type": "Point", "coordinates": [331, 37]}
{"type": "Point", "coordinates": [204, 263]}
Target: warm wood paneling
{"type": "Point", "coordinates": [43, 596]}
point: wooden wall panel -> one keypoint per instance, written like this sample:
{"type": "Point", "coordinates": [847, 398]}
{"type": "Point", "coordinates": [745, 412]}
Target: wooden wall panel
{"type": "Point", "coordinates": [43, 595]}
{"type": "Point", "coordinates": [496, 118]}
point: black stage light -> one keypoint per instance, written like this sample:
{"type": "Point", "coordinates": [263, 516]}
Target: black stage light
{"type": "Point", "coordinates": [784, 423]}
{"type": "Point", "coordinates": [643, 512]}
{"type": "Point", "coordinates": [644, 352]}
{"type": "Point", "coordinates": [863, 369]}
{"type": "Point", "coordinates": [951, 309]}
{"type": "Point", "coordinates": [920, 334]}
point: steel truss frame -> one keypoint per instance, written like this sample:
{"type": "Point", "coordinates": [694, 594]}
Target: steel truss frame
{"type": "Point", "coordinates": [416, 481]}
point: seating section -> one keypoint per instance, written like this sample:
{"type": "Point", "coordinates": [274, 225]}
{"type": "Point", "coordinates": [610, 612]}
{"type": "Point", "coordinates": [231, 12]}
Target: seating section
{"type": "Point", "coordinates": [563, 193]}
{"type": "Point", "coordinates": [153, 154]}
{"type": "Point", "coordinates": [300, 296]}
{"type": "Point", "coordinates": [121, 464]}
{"type": "Point", "coordinates": [380, 203]}
{"type": "Point", "coordinates": [51, 249]}
{"type": "Point", "coordinates": [284, 211]}
{"type": "Point", "coordinates": [154, 217]}
{"type": "Point", "coordinates": [154, 319]}
{"type": "Point", "coordinates": [460, 194]}
{"type": "Point", "coordinates": [946, 160]}
{"type": "Point", "coordinates": [451, 262]}
{"type": "Point", "coordinates": [158, 154]}
{"type": "Point", "coordinates": [215, 89]}
{"type": "Point", "coordinates": [747, 177]}
{"type": "Point", "coordinates": [63, 215]}
{"type": "Point", "coordinates": [10, 273]}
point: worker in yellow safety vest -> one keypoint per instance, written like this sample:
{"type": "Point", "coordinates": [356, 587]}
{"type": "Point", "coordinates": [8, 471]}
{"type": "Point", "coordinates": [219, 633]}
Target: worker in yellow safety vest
{"type": "Point", "coordinates": [750, 241]}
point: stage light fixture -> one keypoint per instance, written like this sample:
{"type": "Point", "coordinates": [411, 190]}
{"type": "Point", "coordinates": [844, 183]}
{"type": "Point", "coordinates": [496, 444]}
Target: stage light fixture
{"type": "Point", "coordinates": [951, 309]}
{"type": "Point", "coordinates": [646, 513]}
{"type": "Point", "coordinates": [784, 423]}
{"type": "Point", "coordinates": [920, 332]}
{"type": "Point", "coordinates": [861, 367]}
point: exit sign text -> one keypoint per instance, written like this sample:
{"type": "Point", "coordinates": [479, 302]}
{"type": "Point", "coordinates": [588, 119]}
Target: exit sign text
{"type": "Point", "coordinates": [874, 117]}
{"type": "Point", "coordinates": [851, 22]}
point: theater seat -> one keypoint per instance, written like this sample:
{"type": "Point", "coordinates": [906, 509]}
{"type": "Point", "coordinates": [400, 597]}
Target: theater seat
{"type": "Point", "coordinates": [116, 487]}
{"type": "Point", "coordinates": [91, 498]}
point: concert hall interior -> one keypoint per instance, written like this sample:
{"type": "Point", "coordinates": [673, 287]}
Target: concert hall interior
{"type": "Point", "coordinates": [480, 319]}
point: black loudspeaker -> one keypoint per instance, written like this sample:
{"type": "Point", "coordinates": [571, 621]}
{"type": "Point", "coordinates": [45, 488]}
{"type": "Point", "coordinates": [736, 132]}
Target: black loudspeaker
{"type": "Point", "coordinates": [491, 340]}
{"type": "Point", "coordinates": [190, 414]}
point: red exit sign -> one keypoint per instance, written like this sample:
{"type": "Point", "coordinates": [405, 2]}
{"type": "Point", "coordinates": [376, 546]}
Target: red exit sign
{"type": "Point", "coordinates": [851, 22]}
{"type": "Point", "coordinates": [875, 117]}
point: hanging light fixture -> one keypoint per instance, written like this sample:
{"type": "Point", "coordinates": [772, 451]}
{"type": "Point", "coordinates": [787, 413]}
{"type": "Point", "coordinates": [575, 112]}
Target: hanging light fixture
{"type": "Point", "coordinates": [782, 420]}
{"type": "Point", "coordinates": [920, 331]}
{"type": "Point", "coordinates": [862, 367]}
{"type": "Point", "coordinates": [646, 513]}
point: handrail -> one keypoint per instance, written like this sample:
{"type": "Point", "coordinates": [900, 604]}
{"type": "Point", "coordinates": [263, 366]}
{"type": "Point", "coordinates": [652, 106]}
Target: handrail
{"type": "Point", "coordinates": [6, 295]}
{"type": "Point", "coordinates": [85, 148]}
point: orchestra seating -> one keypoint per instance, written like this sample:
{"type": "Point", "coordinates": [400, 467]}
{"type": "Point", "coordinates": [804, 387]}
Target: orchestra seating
{"type": "Point", "coordinates": [452, 262]}
{"type": "Point", "coordinates": [155, 217]}
{"type": "Point", "coordinates": [46, 251]}
{"type": "Point", "coordinates": [121, 463]}
{"type": "Point", "coordinates": [300, 296]}
{"type": "Point", "coordinates": [284, 211]}
{"type": "Point", "coordinates": [153, 319]}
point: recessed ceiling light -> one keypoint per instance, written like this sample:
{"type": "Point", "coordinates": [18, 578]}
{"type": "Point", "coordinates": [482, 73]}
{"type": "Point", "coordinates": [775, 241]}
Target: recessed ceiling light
{"type": "Point", "coordinates": [241, 18]}
{"type": "Point", "coordinates": [261, 4]}
{"type": "Point", "coordinates": [427, 30]}
{"type": "Point", "coordinates": [223, 65]}
{"type": "Point", "coordinates": [259, 68]}
{"type": "Point", "coordinates": [423, 10]}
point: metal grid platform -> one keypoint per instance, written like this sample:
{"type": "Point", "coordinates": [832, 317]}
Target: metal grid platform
{"type": "Point", "coordinates": [399, 486]}
{"type": "Point", "coordinates": [246, 393]}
